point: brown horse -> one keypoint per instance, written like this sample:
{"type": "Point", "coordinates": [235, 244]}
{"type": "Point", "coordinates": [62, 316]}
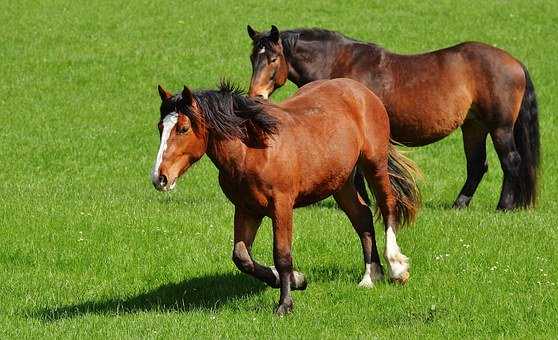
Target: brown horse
{"type": "Point", "coordinates": [273, 158]}
{"type": "Point", "coordinates": [479, 88]}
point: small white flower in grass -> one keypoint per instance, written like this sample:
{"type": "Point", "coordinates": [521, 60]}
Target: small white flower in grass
{"type": "Point", "coordinates": [212, 317]}
{"type": "Point", "coordinates": [493, 268]}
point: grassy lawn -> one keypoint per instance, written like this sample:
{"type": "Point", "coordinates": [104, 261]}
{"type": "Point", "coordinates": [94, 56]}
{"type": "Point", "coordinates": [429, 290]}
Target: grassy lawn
{"type": "Point", "coordinates": [89, 249]}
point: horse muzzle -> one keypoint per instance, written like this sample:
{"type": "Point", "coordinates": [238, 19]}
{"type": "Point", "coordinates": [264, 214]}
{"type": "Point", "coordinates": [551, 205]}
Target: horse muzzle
{"type": "Point", "coordinates": [259, 94]}
{"type": "Point", "coordinates": [161, 182]}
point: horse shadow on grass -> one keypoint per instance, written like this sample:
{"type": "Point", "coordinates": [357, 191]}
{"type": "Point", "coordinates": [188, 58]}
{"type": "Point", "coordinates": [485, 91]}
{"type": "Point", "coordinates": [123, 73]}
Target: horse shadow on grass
{"type": "Point", "coordinates": [208, 293]}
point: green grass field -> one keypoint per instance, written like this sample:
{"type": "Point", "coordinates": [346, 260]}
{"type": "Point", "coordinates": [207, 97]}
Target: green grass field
{"type": "Point", "coordinates": [89, 249]}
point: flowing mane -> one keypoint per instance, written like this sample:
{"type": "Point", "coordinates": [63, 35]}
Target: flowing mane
{"type": "Point", "coordinates": [229, 114]}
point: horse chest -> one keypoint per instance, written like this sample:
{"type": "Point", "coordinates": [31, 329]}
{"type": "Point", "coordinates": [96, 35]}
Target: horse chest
{"type": "Point", "coordinates": [242, 193]}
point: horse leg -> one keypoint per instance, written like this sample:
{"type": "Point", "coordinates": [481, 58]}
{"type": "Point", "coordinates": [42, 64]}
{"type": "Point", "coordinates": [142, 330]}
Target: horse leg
{"type": "Point", "coordinates": [282, 219]}
{"type": "Point", "coordinates": [378, 178]}
{"type": "Point", "coordinates": [362, 220]}
{"type": "Point", "coordinates": [510, 160]}
{"type": "Point", "coordinates": [360, 186]}
{"type": "Point", "coordinates": [245, 228]}
{"type": "Point", "coordinates": [474, 142]}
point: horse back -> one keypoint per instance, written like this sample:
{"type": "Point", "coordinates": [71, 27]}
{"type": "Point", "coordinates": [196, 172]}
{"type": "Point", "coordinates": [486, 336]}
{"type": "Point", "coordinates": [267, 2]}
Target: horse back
{"type": "Point", "coordinates": [336, 102]}
{"type": "Point", "coordinates": [439, 87]}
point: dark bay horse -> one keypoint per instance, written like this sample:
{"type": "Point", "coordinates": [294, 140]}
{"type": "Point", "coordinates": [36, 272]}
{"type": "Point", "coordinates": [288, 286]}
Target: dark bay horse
{"type": "Point", "coordinates": [275, 157]}
{"type": "Point", "coordinates": [479, 88]}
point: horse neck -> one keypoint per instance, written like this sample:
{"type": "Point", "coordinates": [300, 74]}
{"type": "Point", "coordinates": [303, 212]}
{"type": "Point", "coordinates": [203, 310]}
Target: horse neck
{"type": "Point", "coordinates": [312, 60]}
{"type": "Point", "coordinates": [228, 155]}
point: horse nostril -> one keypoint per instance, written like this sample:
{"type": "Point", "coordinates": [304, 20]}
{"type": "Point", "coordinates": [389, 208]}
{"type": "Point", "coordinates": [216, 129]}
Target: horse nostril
{"type": "Point", "coordinates": [162, 180]}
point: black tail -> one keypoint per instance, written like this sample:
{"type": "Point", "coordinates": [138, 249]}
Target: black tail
{"type": "Point", "coordinates": [527, 142]}
{"type": "Point", "coordinates": [402, 173]}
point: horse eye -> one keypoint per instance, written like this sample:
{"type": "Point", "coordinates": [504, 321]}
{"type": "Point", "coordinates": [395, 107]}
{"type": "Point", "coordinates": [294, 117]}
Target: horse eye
{"type": "Point", "coordinates": [182, 129]}
{"type": "Point", "coordinates": [273, 59]}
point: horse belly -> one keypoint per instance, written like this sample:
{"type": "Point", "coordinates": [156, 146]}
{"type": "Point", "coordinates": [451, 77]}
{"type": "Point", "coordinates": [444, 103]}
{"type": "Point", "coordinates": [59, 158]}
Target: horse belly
{"type": "Point", "coordinates": [326, 169]}
{"type": "Point", "coordinates": [427, 121]}
{"type": "Point", "coordinates": [424, 133]}
{"type": "Point", "coordinates": [318, 191]}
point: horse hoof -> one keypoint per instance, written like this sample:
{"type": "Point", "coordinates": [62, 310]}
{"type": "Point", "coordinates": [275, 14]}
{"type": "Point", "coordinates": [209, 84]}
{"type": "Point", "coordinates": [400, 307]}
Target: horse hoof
{"type": "Point", "coordinates": [284, 309]}
{"type": "Point", "coordinates": [299, 282]}
{"type": "Point", "coordinates": [402, 280]}
{"type": "Point", "coordinates": [366, 282]}
{"type": "Point", "coordinates": [505, 208]}
{"type": "Point", "coordinates": [461, 202]}
{"type": "Point", "coordinates": [458, 206]}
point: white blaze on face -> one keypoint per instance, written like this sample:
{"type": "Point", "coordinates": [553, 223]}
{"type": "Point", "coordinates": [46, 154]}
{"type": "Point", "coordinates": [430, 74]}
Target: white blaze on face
{"type": "Point", "coordinates": [262, 50]}
{"type": "Point", "coordinates": [168, 123]}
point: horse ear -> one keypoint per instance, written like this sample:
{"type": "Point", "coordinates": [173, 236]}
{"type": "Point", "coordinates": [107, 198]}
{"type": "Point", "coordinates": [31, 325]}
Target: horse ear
{"type": "Point", "coordinates": [274, 34]}
{"type": "Point", "coordinates": [163, 93]}
{"type": "Point", "coordinates": [187, 96]}
{"type": "Point", "coordinates": [251, 32]}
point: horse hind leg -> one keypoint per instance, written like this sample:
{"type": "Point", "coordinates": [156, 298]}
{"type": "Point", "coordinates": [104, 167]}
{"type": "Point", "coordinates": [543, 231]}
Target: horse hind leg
{"type": "Point", "coordinates": [360, 185]}
{"type": "Point", "coordinates": [362, 220]}
{"type": "Point", "coordinates": [376, 173]}
{"type": "Point", "coordinates": [510, 161]}
{"type": "Point", "coordinates": [474, 142]}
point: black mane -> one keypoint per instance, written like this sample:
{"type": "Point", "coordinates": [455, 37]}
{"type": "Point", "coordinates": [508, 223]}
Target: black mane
{"type": "Point", "coordinates": [228, 113]}
{"type": "Point", "coordinates": [289, 38]}
{"type": "Point", "coordinates": [312, 34]}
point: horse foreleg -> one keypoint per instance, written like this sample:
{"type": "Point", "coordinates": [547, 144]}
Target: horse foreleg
{"type": "Point", "coordinates": [474, 142]}
{"type": "Point", "coordinates": [282, 243]}
{"type": "Point", "coordinates": [245, 228]}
